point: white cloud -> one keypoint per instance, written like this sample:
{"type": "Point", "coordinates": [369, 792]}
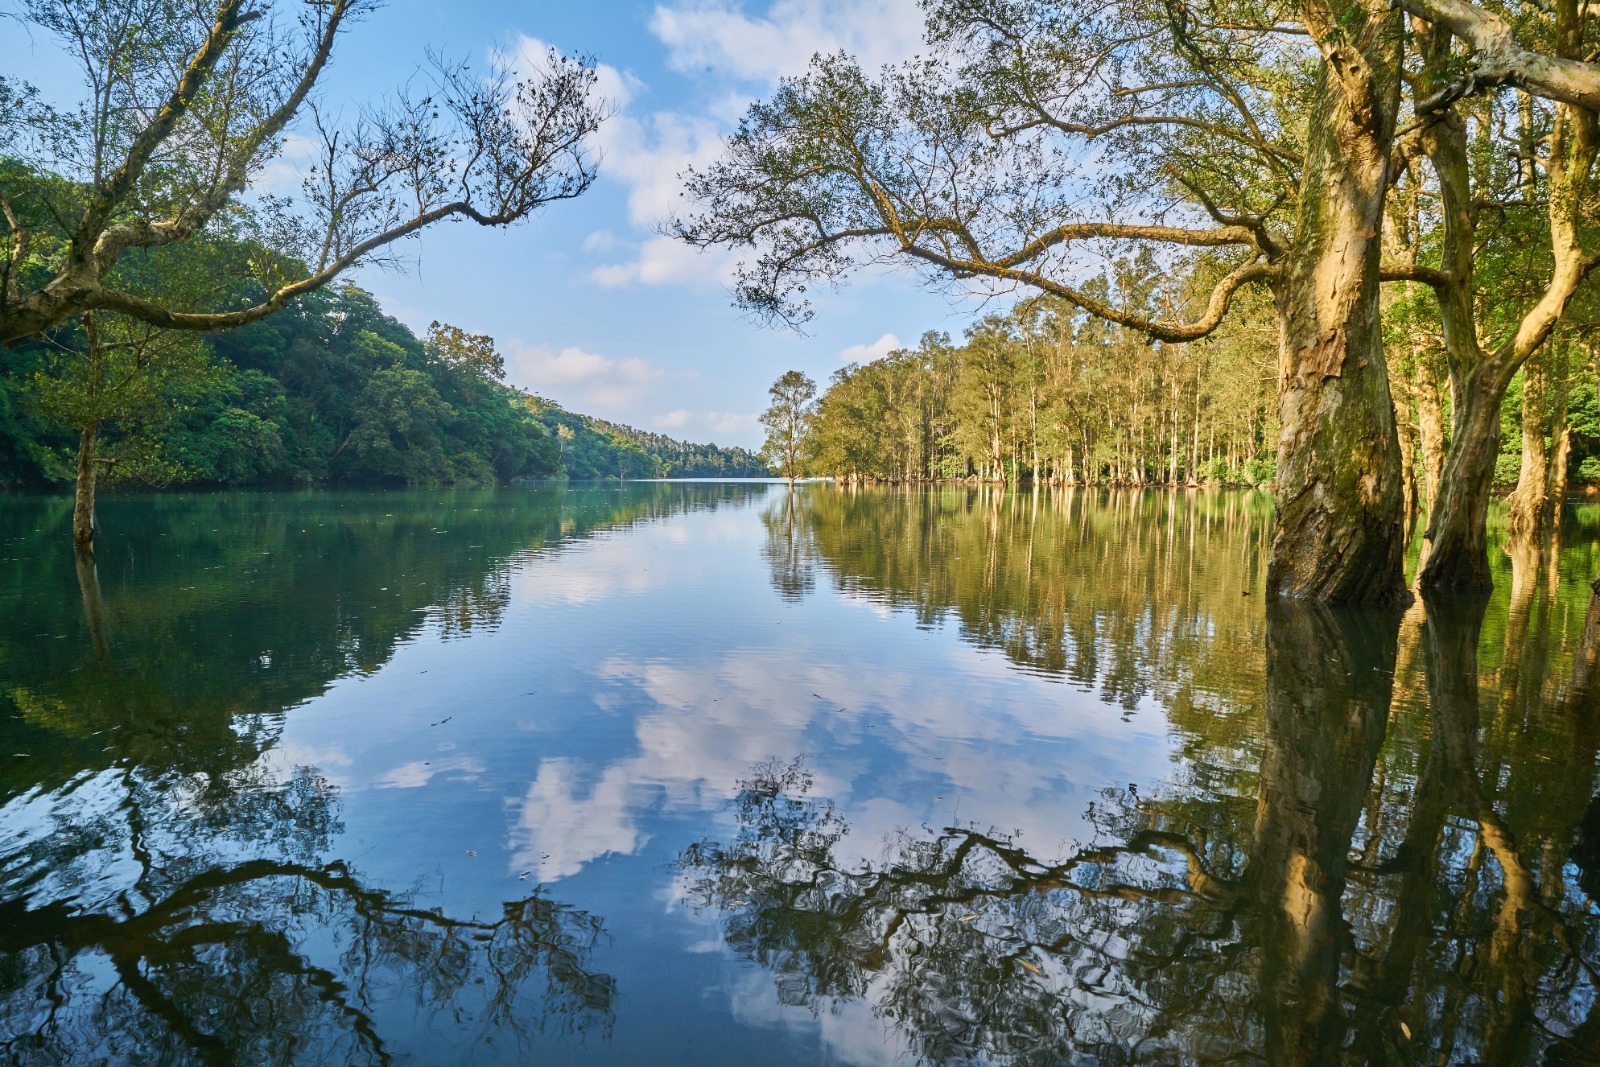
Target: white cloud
{"type": "Point", "coordinates": [285, 172]}
{"type": "Point", "coordinates": [672, 420]}
{"type": "Point", "coordinates": [867, 353]}
{"type": "Point", "coordinates": [718, 35]}
{"type": "Point", "coordinates": [648, 154]}
{"type": "Point", "coordinates": [730, 422]}
{"type": "Point", "coordinates": [664, 261]}
{"type": "Point", "coordinates": [600, 241]}
{"type": "Point", "coordinates": [419, 773]}
{"type": "Point", "coordinates": [601, 382]}
{"type": "Point", "coordinates": [569, 818]}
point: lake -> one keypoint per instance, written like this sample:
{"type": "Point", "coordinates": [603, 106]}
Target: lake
{"type": "Point", "coordinates": [710, 773]}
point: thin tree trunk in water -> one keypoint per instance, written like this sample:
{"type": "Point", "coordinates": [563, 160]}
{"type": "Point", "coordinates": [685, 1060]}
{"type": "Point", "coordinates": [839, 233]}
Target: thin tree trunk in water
{"type": "Point", "coordinates": [1405, 430]}
{"type": "Point", "coordinates": [1530, 497]}
{"type": "Point", "coordinates": [1584, 689]}
{"type": "Point", "coordinates": [83, 504]}
{"type": "Point", "coordinates": [1430, 424]}
{"type": "Point", "coordinates": [1456, 554]}
{"type": "Point", "coordinates": [1546, 443]}
{"type": "Point", "coordinates": [1339, 531]}
{"type": "Point", "coordinates": [1194, 451]}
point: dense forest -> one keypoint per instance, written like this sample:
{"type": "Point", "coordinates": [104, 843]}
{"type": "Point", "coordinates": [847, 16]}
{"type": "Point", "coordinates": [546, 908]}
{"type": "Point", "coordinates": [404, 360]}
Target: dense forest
{"type": "Point", "coordinates": [329, 391]}
{"type": "Point", "coordinates": [1048, 392]}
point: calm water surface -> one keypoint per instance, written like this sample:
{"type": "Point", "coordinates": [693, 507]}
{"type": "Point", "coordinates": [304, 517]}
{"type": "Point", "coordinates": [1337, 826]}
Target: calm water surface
{"type": "Point", "coordinates": [710, 774]}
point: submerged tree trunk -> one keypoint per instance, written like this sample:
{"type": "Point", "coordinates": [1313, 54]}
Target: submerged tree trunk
{"type": "Point", "coordinates": [1456, 554]}
{"type": "Point", "coordinates": [94, 606]}
{"type": "Point", "coordinates": [1583, 691]}
{"type": "Point", "coordinates": [83, 525]}
{"type": "Point", "coordinates": [1339, 532]}
{"type": "Point", "coordinates": [1430, 427]}
{"type": "Point", "coordinates": [1546, 443]}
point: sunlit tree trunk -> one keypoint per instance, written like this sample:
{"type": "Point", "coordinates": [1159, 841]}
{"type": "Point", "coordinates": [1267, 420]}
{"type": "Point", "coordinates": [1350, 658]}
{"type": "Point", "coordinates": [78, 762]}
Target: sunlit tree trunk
{"type": "Point", "coordinates": [1406, 432]}
{"type": "Point", "coordinates": [1430, 427]}
{"type": "Point", "coordinates": [1546, 443]}
{"type": "Point", "coordinates": [1339, 532]}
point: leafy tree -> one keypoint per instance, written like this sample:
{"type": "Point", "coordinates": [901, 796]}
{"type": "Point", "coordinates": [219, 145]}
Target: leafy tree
{"type": "Point", "coordinates": [130, 374]}
{"type": "Point", "coordinates": [1242, 146]}
{"type": "Point", "coordinates": [788, 423]}
{"type": "Point", "coordinates": [185, 104]}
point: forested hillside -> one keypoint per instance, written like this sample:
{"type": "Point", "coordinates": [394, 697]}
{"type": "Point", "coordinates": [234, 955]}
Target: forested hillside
{"type": "Point", "coordinates": [329, 391]}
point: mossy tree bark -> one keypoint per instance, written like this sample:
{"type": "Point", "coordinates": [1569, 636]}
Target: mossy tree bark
{"type": "Point", "coordinates": [1340, 527]}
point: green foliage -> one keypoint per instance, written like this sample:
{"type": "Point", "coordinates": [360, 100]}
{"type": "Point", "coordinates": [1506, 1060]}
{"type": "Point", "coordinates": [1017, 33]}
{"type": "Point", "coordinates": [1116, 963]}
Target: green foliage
{"type": "Point", "coordinates": [329, 391]}
{"type": "Point", "coordinates": [1049, 392]}
{"type": "Point", "coordinates": [788, 421]}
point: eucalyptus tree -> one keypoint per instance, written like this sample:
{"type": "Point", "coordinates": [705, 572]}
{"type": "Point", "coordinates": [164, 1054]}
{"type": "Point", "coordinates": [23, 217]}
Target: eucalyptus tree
{"type": "Point", "coordinates": [186, 103]}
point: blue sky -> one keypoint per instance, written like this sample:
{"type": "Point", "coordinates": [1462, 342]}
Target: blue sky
{"type": "Point", "coordinates": [590, 305]}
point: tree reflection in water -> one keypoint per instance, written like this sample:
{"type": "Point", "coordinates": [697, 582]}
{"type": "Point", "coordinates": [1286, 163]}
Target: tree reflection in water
{"type": "Point", "coordinates": [164, 920]}
{"type": "Point", "coordinates": [173, 890]}
{"type": "Point", "coordinates": [1374, 870]}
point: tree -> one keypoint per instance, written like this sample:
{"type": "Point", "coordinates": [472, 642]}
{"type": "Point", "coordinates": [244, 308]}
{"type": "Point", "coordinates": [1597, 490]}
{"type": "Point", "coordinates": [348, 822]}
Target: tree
{"type": "Point", "coordinates": [128, 373]}
{"type": "Point", "coordinates": [1244, 164]}
{"type": "Point", "coordinates": [1257, 146]}
{"type": "Point", "coordinates": [185, 104]}
{"type": "Point", "coordinates": [788, 423]}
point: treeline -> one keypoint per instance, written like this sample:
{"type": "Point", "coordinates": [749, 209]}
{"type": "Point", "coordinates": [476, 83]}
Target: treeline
{"type": "Point", "coordinates": [1050, 393]}
{"type": "Point", "coordinates": [329, 391]}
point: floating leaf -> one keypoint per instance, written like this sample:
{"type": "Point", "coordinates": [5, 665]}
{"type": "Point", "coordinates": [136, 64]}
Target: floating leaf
{"type": "Point", "coordinates": [1404, 1029]}
{"type": "Point", "coordinates": [1030, 967]}
{"type": "Point", "coordinates": [966, 918]}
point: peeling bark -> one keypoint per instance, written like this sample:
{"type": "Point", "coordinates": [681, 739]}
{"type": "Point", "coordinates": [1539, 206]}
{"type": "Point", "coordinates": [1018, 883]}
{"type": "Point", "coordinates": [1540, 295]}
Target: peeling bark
{"type": "Point", "coordinates": [1339, 534]}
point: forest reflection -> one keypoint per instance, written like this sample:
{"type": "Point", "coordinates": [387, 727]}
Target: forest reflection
{"type": "Point", "coordinates": [171, 886]}
{"type": "Point", "coordinates": [1379, 845]}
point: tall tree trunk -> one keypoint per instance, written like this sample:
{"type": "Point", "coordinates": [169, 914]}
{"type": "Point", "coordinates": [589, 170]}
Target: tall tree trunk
{"type": "Point", "coordinates": [1339, 531]}
{"type": "Point", "coordinates": [1455, 549]}
{"type": "Point", "coordinates": [1455, 541]}
{"type": "Point", "coordinates": [1406, 431]}
{"type": "Point", "coordinates": [83, 505]}
{"type": "Point", "coordinates": [1546, 442]}
{"type": "Point", "coordinates": [1430, 426]}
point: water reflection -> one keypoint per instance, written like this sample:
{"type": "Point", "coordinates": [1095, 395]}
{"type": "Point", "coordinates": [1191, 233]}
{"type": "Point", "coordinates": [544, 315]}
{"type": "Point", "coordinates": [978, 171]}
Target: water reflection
{"type": "Point", "coordinates": [949, 776]}
{"type": "Point", "coordinates": [163, 919]}
{"type": "Point", "coordinates": [1399, 873]}
{"type": "Point", "coordinates": [172, 891]}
